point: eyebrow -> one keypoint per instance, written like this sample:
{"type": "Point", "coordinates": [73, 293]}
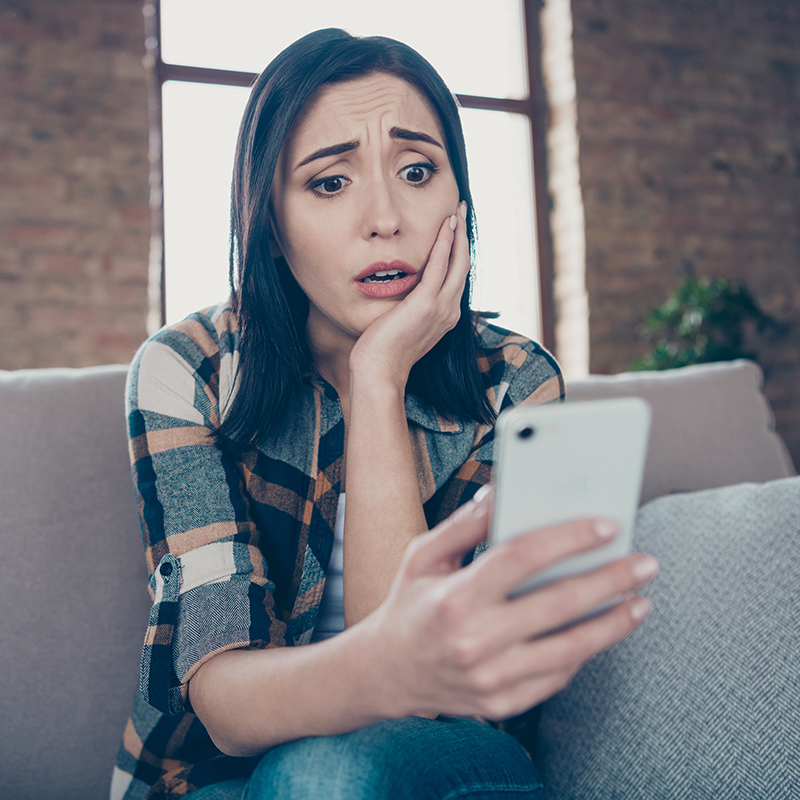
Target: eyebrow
{"type": "Point", "coordinates": [413, 136]}
{"type": "Point", "coordinates": [346, 147]}
{"type": "Point", "coordinates": [333, 150]}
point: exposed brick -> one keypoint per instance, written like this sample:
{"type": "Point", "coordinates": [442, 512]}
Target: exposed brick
{"type": "Point", "coordinates": [138, 214]}
{"type": "Point", "coordinates": [688, 116]}
{"type": "Point", "coordinates": [60, 264]}
{"type": "Point", "coordinates": [122, 267]}
{"type": "Point", "coordinates": [73, 181]}
{"type": "Point", "coordinates": [10, 264]}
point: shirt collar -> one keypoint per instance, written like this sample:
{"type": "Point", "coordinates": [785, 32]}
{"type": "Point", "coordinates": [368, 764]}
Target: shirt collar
{"type": "Point", "coordinates": [426, 417]}
{"type": "Point", "coordinates": [417, 411]}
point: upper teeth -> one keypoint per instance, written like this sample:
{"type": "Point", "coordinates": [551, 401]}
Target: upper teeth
{"type": "Point", "coordinates": [386, 273]}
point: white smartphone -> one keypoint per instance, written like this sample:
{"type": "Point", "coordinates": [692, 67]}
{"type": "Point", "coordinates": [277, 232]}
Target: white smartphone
{"type": "Point", "coordinates": [553, 463]}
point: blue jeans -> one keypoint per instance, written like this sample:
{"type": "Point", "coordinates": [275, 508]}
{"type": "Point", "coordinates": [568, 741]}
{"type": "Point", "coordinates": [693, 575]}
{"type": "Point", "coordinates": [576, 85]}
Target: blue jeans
{"type": "Point", "coordinates": [405, 759]}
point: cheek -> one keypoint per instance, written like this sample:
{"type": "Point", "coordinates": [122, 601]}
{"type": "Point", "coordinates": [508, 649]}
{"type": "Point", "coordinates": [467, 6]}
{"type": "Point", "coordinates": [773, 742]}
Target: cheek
{"type": "Point", "coordinates": [430, 220]}
{"type": "Point", "coordinates": [447, 200]}
{"type": "Point", "coordinates": [304, 246]}
{"type": "Point", "coordinates": [433, 225]}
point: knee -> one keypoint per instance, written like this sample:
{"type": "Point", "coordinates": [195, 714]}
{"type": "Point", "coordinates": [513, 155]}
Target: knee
{"type": "Point", "coordinates": [325, 767]}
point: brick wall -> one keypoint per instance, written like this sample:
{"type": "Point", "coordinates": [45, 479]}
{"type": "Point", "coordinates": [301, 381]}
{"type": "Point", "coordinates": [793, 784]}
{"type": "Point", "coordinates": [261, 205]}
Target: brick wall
{"type": "Point", "coordinates": [74, 214]}
{"type": "Point", "coordinates": [689, 123]}
{"type": "Point", "coordinates": [688, 114]}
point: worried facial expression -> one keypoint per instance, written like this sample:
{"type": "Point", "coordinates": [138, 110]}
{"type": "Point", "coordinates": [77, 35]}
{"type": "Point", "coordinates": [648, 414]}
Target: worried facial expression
{"type": "Point", "coordinates": [362, 187]}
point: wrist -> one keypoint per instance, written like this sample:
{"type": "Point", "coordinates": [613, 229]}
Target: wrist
{"type": "Point", "coordinates": [385, 370]}
{"type": "Point", "coordinates": [377, 388]}
{"type": "Point", "coordinates": [383, 673]}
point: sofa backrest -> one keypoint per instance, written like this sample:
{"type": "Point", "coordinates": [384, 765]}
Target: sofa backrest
{"type": "Point", "coordinates": [72, 574]}
{"type": "Point", "coordinates": [72, 582]}
{"type": "Point", "coordinates": [711, 426]}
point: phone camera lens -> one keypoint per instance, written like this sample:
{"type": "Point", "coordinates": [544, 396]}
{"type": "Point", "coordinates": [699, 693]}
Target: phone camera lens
{"type": "Point", "coordinates": [526, 433]}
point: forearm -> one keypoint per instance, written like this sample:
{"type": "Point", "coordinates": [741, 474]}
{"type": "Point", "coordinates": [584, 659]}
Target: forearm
{"type": "Point", "coordinates": [251, 700]}
{"type": "Point", "coordinates": [384, 509]}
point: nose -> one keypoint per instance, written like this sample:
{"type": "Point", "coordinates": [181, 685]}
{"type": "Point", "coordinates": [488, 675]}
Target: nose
{"type": "Point", "coordinates": [382, 217]}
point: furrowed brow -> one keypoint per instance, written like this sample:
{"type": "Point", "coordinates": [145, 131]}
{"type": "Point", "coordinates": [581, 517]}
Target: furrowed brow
{"type": "Point", "coordinates": [413, 136]}
{"type": "Point", "coordinates": [333, 150]}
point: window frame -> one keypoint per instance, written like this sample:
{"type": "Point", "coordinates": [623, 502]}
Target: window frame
{"type": "Point", "coordinates": [534, 107]}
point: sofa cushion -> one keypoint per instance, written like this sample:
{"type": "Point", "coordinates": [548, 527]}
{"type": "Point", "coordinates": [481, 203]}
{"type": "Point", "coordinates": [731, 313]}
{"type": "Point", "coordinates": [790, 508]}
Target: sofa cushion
{"type": "Point", "coordinates": [704, 700]}
{"type": "Point", "coordinates": [72, 582]}
{"type": "Point", "coordinates": [712, 425]}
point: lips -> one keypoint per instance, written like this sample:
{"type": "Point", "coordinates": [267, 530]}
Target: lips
{"type": "Point", "coordinates": [386, 279]}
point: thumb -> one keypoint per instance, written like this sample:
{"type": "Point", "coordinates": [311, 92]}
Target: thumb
{"type": "Point", "coordinates": [442, 549]}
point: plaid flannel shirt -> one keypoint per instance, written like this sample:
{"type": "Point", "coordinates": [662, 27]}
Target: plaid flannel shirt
{"type": "Point", "coordinates": [237, 544]}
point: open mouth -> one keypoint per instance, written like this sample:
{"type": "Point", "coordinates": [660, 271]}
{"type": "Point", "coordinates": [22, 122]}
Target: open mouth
{"type": "Point", "coordinates": [384, 276]}
{"type": "Point", "coordinates": [383, 280]}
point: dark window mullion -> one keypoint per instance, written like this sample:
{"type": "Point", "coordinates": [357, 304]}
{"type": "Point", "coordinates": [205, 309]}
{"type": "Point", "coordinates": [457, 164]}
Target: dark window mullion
{"type": "Point", "coordinates": [538, 115]}
{"type": "Point", "coordinates": [223, 77]}
{"type": "Point", "coordinates": [227, 77]}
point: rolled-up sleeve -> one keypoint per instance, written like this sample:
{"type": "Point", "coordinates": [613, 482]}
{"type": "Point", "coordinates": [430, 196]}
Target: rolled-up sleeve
{"type": "Point", "coordinates": [208, 577]}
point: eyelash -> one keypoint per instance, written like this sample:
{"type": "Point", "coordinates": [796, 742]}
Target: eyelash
{"type": "Point", "coordinates": [428, 165]}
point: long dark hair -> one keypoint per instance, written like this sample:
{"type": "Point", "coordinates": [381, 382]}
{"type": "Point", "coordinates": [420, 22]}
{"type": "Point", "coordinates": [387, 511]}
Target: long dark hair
{"type": "Point", "coordinates": [275, 355]}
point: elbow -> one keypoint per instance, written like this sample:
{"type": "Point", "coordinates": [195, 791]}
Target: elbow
{"type": "Point", "coordinates": [229, 737]}
{"type": "Point", "coordinates": [231, 745]}
{"type": "Point", "coordinates": [228, 731]}
{"type": "Point", "coordinates": [238, 744]}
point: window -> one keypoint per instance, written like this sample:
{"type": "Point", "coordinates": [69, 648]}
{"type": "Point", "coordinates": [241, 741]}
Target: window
{"type": "Point", "coordinates": [203, 61]}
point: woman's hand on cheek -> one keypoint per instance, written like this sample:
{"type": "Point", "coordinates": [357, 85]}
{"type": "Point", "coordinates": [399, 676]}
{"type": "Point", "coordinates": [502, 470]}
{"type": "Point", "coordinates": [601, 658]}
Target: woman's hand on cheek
{"type": "Point", "coordinates": [450, 641]}
{"type": "Point", "coordinates": [391, 345]}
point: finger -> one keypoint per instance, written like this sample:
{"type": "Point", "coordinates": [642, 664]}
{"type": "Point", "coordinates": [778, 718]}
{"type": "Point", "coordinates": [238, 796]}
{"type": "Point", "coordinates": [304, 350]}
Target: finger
{"type": "Point", "coordinates": [435, 272]}
{"type": "Point", "coordinates": [506, 565]}
{"type": "Point", "coordinates": [562, 602]}
{"type": "Point", "coordinates": [534, 670]}
{"type": "Point", "coordinates": [524, 695]}
{"type": "Point", "coordinates": [575, 645]}
{"type": "Point", "coordinates": [442, 549]}
{"type": "Point", "coordinates": [460, 263]}
{"type": "Point", "coordinates": [584, 640]}
{"type": "Point", "coordinates": [571, 598]}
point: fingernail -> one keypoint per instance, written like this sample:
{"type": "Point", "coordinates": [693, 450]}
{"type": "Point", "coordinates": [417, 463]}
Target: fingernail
{"type": "Point", "coordinates": [645, 568]}
{"type": "Point", "coordinates": [480, 505]}
{"type": "Point", "coordinates": [641, 608]}
{"type": "Point", "coordinates": [605, 528]}
{"type": "Point", "coordinates": [453, 222]}
{"type": "Point", "coordinates": [482, 492]}
{"type": "Point", "coordinates": [463, 207]}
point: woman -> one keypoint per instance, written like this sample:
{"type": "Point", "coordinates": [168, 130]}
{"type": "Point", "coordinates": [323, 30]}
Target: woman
{"type": "Point", "coordinates": [293, 648]}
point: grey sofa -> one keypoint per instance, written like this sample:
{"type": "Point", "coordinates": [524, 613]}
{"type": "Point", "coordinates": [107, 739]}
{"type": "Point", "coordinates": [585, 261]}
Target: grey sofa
{"type": "Point", "coordinates": [672, 712]}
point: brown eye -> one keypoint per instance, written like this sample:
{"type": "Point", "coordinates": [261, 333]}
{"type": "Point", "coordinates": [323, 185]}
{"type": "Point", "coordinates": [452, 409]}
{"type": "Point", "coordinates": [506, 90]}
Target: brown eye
{"type": "Point", "coordinates": [331, 185]}
{"type": "Point", "coordinates": [416, 173]}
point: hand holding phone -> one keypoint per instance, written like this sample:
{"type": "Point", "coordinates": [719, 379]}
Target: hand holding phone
{"type": "Point", "coordinates": [565, 461]}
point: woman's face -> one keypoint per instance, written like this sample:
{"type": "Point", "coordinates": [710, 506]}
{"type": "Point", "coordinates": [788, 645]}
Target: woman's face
{"type": "Point", "coordinates": [362, 187]}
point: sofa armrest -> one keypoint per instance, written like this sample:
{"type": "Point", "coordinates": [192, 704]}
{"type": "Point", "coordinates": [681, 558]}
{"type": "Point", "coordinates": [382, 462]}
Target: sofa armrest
{"type": "Point", "coordinates": [73, 581]}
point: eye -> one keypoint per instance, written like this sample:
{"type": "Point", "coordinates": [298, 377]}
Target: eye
{"type": "Point", "coordinates": [418, 174]}
{"type": "Point", "coordinates": [329, 186]}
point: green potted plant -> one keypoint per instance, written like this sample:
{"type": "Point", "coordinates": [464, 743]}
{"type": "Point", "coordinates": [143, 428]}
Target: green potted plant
{"type": "Point", "coordinates": [704, 319]}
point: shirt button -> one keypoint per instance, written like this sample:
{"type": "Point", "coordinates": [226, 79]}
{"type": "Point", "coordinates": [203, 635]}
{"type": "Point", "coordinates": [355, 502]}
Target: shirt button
{"type": "Point", "coordinates": [166, 570]}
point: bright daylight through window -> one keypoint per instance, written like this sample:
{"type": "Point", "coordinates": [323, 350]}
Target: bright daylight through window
{"type": "Point", "coordinates": [477, 47]}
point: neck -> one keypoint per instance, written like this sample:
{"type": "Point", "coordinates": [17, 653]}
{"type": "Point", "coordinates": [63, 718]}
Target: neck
{"type": "Point", "coordinates": [335, 368]}
{"type": "Point", "coordinates": [331, 355]}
